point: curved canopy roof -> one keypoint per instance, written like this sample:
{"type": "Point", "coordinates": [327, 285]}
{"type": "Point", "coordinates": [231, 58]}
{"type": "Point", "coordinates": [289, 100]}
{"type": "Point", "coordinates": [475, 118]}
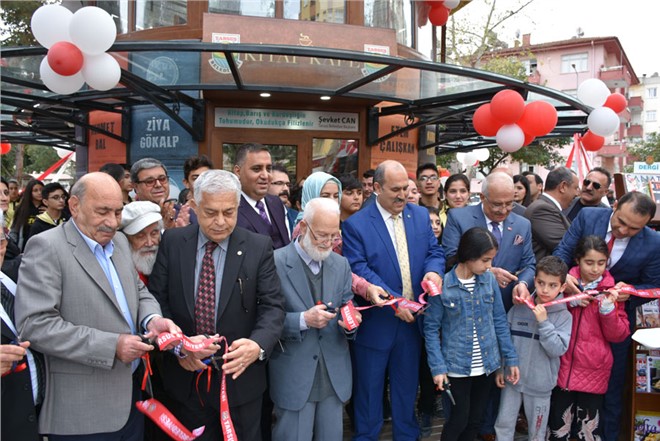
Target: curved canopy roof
{"type": "Point", "coordinates": [437, 96]}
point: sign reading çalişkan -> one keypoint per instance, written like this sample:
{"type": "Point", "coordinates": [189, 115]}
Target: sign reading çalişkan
{"type": "Point", "coordinates": [286, 119]}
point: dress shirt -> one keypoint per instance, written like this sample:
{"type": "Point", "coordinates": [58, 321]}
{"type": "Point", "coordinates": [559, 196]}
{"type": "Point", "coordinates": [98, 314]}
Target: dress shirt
{"type": "Point", "coordinates": [219, 257]}
{"type": "Point", "coordinates": [253, 204]}
{"type": "Point", "coordinates": [389, 223]}
{"type": "Point", "coordinates": [490, 226]}
{"type": "Point", "coordinates": [554, 201]}
{"type": "Point", "coordinates": [618, 248]}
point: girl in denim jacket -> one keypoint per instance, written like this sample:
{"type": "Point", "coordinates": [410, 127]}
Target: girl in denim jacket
{"type": "Point", "coordinates": [475, 339]}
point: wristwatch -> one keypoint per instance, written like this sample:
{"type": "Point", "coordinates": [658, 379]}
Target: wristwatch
{"type": "Point", "coordinates": [262, 354]}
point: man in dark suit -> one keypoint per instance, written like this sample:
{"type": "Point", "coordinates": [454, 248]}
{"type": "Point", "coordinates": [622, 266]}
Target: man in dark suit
{"type": "Point", "coordinates": [213, 278]}
{"type": "Point", "coordinates": [391, 244]}
{"type": "Point", "coordinates": [633, 261]}
{"type": "Point", "coordinates": [280, 186]}
{"type": "Point", "coordinates": [545, 214]}
{"type": "Point", "coordinates": [593, 191]}
{"type": "Point", "coordinates": [258, 211]}
{"type": "Point", "coordinates": [21, 368]}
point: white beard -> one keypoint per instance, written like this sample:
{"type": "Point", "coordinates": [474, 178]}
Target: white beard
{"type": "Point", "coordinates": [314, 252]}
{"type": "Point", "coordinates": [144, 259]}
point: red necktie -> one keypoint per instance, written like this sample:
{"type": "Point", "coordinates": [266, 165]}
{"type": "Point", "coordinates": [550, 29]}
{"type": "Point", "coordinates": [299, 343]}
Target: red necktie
{"type": "Point", "coordinates": [610, 244]}
{"type": "Point", "coordinates": [205, 303]}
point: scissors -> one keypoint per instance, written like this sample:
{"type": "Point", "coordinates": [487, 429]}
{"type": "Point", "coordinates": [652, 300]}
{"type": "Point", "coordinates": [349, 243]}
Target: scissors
{"type": "Point", "coordinates": [447, 387]}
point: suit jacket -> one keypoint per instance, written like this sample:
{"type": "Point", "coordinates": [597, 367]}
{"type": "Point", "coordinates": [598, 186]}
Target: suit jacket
{"type": "Point", "coordinates": [250, 305]}
{"type": "Point", "coordinates": [548, 226]}
{"type": "Point", "coordinates": [515, 251]}
{"type": "Point", "coordinates": [291, 216]}
{"type": "Point", "coordinates": [370, 251]}
{"type": "Point", "coordinates": [576, 206]}
{"type": "Point", "coordinates": [69, 312]}
{"type": "Point", "coordinates": [639, 265]}
{"type": "Point", "coordinates": [19, 417]}
{"type": "Point", "coordinates": [250, 220]}
{"type": "Point", "coordinates": [300, 350]}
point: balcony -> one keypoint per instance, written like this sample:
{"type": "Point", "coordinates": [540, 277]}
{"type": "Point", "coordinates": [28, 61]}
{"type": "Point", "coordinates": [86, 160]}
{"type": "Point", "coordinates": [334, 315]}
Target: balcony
{"type": "Point", "coordinates": [615, 76]}
{"type": "Point", "coordinates": [612, 150]}
{"type": "Point", "coordinates": [636, 104]}
{"type": "Point", "coordinates": [635, 131]}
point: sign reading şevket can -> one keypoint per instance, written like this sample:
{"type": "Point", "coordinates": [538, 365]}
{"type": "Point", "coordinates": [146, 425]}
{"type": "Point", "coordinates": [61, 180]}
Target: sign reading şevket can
{"type": "Point", "coordinates": [286, 119]}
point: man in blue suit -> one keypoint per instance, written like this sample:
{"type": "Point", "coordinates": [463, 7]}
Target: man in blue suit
{"type": "Point", "coordinates": [514, 264]}
{"type": "Point", "coordinates": [633, 261]}
{"type": "Point", "coordinates": [391, 244]}
{"type": "Point", "coordinates": [308, 404]}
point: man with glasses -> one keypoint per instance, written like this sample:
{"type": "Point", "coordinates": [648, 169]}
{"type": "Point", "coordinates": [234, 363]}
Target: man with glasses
{"type": "Point", "coordinates": [592, 194]}
{"type": "Point", "coordinates": [280, 186]}
{"type": "Point", "coordinates": [54, 198]}
{"type": "Point", "coordinates": [428, 182]}
{"type": "Point", "coordinates": [315, 281]}
{"type": "Point", "coordinates": [152, 183]}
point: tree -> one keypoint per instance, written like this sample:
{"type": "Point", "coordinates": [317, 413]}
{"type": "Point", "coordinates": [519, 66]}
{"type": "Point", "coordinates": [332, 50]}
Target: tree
{"type": "Point", "coordinates": [650, 147]}
{"type": "Point", "coordinates": [545, 153]}
{"type": "Point", "coordinates": [15, 18]}
{"type": "Point", "coordinates": [38, 158]}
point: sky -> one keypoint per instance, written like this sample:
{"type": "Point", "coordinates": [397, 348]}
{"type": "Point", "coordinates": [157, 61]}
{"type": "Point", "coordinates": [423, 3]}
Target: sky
{"type": "Point", "coordinates": [634, 22]}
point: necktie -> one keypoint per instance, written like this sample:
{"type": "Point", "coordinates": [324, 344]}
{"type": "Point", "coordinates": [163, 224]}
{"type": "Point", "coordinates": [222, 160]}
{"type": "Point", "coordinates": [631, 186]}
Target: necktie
{"type": "Point", "coordinates": [402, 254]}
{"type": "Point", "coordinates": [496, 231]}
{"type": "Point", "coordinates": [205, 303]}
{"type": "Point", "coordinates": [262, 212]}
{"type": "Point", "coordinates": [8, 302]}
{"type": "Point", "coordinates": [610, 244]}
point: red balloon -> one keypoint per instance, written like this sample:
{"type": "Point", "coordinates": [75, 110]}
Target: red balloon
{"type": "Point", "coordinates": [5, 147]}
{"type": "Point", "coordinates": [65, 58]}
{"type": "Point", "coordinates": [528, 138]}
{"type": "Point", "coordinates": [507, 106]}
{"type": "Point", "coordinates": [438, 15]}
{"type": "Point", "coordinates": [484, 123]}
{"type": "Point", "coordinates": [539, 118]}
{"type": "Point", "coordinates": [592, 142]}
{"type": "Point", "coordinates": [616, 102]}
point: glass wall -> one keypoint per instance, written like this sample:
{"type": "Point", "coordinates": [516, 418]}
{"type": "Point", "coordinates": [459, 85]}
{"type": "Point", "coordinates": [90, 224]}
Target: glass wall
{"type": "Point", "coordinates": [253, 8]}
{"type": "Point", "coordinates": [393, 14]}
{"type": "Point", "coordinates": [118, 10]}
{"type": "Point", "coordinates": [151, 14]}
{"type": "Point", "coordinates": [335, 156]}
{"type": "Point", "coordinates": [280, 154]}
{"type": "Point", "coordinates": [329, 11]}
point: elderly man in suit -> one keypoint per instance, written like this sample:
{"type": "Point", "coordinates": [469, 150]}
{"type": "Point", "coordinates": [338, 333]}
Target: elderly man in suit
{"type": "Point", "coordinates": [214, 278]}
{"type": "Point", "coordinates": [81, 304]}
{"type": "Point", "coordinates": [308, 405]}
{"type": "Point", "coordinates": [259, 211]}
{"type": "Point", "coordinates": [391, 244]}
{"type": "Point", "coordinates": [633, 261]}
{"type": "Point", "coordinates": [549, 224]}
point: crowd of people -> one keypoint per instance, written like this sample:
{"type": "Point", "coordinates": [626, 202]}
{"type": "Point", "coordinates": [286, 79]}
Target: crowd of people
{"type": "Point", "coordinates": [258, 272]}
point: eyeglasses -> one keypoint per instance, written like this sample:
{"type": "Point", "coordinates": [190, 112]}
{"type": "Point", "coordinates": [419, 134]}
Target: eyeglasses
{"type": "Point", "coordinates": [500, 205]}
{"type": "Point", "coordinates": [288, 184]}
{"type": "Point", "coordinates": [588, 182]}
{"type": "Point", "coordinates": [57, 197]}
{"type": "Point", "coordinates": [150, 182]}
{"type": "Point", "coordinates": [323, 238]}
{"type": "Point", "coordinates": [428, 178]}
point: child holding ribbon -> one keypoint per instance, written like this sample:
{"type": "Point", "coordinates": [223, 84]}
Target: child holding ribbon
{"type": "Point", "coordinates": [475, 336]}
{"type": "Point", "coordinates": [585, 368]}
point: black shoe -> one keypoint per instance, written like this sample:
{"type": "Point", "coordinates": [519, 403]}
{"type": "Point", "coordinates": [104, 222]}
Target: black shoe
{"type": "Point", "coordinates": [425, 425]}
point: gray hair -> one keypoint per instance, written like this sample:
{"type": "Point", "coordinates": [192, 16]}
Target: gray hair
{"type": "Point", "coordinates": [322, 205]}
{"type": "Point", "coordinates": [216, 181]}
{"type": "Point", "coordinates": [145, 164]}
{"type": "Point", "coordinates": [496, 178]}
{"type": "Point", "coordinates": [557, 176]}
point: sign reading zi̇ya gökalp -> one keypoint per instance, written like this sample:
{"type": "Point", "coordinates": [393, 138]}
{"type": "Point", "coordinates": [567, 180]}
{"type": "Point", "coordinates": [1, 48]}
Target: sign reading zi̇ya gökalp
{"type": "Point", "coordinates": [286, 119]}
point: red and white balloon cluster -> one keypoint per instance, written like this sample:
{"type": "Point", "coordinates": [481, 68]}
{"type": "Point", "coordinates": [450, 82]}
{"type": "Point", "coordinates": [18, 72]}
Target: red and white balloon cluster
{"type": "Point", "coordinates": [511, 122]}
{"type": "Point", "coordinates": [76, 46]}
{"type": "Point", "coordinates": [603, 120]}
{"type": "Point", "coordinates": [439, 13]}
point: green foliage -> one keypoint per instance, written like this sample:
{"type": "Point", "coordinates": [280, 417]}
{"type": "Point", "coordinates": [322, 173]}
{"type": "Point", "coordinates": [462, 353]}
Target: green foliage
{"type": "Point", "coordinates": [8, 164]}
{"type": "Point", "coordinates": [15, 18]}
{"type": "Point", "coordinates": [38, 158]}
{"type": "Point", "coordinates": [509, 66]}
{"type": "Point", "coordinates": [648, 147]}
{"type": "Point", "coordinates": [544, 153]}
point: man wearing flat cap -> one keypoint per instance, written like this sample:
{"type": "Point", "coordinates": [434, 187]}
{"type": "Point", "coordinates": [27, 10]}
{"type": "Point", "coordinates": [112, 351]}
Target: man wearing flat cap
{"type": "Point", "coordinates": [142, 223]}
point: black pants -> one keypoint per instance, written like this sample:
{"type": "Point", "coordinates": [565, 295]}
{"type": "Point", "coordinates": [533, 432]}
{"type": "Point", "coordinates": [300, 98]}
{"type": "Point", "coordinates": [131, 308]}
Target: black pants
{"type": "Point", "coordinates": [471, 395]}
{"type": "Point", "coordinates": [426, 402]}
{"type": "Point", "coordinates": [568, 406]}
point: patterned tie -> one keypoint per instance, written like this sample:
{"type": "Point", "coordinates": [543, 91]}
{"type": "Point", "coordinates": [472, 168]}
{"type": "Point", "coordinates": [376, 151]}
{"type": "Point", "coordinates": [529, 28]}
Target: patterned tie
{"type": "Point", "coordinates": [496, 231]}
{"type": "Point", "coordinates": [402, 254]}
{"type": "Point", "coordinates": [262, 212]}
{"type": "Point", "coordinates": [205, 303]}
{"type": "Point", "coordinates": [8, 302]}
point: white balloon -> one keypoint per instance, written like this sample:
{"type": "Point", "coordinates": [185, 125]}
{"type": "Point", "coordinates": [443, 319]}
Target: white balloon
{"type": "Point", "coordinates": [510, 138]}
{"type": "Point", "coordinates": [593, 92]}
{"type": "Point", "coordinates": [603, 121]}
{"type": "Point", "coordinates": [59, 83]}
{"type": "Point", "coordinates": [460, 157]}
{"type": "Point", "coordinates": [102, 72]}
{"type": "Point", "coordinates": [451, 4]}
{"type": "Point", "coordinates": [482, 154]}
{"type": "Point", "coordinates": [470, 159]}
{"type": "Point", "coordinates": [92, 30]}
{"type": "Point", "coordinates": [50, 24]}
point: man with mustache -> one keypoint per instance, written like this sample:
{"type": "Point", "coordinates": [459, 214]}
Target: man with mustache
{"type": "Point", "coordinates": [280, 186]}
{"type": "Point", "coordinates": [142, 223]}
{"type": "Point", "coordinates": [594, 189]}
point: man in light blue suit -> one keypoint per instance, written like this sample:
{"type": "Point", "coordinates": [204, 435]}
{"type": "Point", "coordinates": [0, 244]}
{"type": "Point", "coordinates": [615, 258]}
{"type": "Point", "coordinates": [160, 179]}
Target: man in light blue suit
{"type": "Point", "coordinates": [391, 244]}
{"type": "Point", "coordinates": [310, 374]}
{"type": "Point", "coordinates": [514, 264]}
{"type": "Point", "coordinates": [633, 261]}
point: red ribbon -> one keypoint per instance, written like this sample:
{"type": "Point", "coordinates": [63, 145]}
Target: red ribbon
{"type": "Point", "coordinates": [166, 338]}
{"type": "Point", "coordinates": [163, 418]}
{"type": "Point", "coordinates": [19, 367]}
{"type": "Point", "coordinates": [649, 293]}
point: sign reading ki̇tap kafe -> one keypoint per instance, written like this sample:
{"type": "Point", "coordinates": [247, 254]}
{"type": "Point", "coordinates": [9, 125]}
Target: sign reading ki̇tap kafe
{"type": "Point", "coordinates": [286, 119]}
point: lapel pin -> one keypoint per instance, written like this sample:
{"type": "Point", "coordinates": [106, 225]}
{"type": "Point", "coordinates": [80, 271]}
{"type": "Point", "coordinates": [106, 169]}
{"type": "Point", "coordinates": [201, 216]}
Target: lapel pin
{"type": "Point", "coordinates": [408, 216]}
{"type": "Point", "coordinates": [240, 253]}
{"type": "Point", "coordinates": [508, 228]}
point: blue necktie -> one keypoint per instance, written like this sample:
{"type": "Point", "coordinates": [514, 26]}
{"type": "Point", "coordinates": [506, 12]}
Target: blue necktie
{"type": "Point", "coordinates": [496, 232]}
